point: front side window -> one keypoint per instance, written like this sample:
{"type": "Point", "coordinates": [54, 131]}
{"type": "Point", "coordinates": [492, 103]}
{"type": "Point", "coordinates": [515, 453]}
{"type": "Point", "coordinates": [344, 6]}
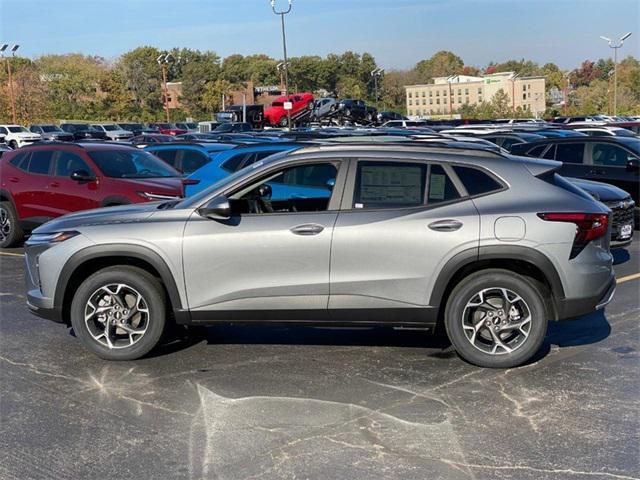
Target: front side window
{"type": "Point", "coordinates": [168, 155]}
{"type": "Point", "coordinates": [193, 160]}
{"type": "Point", "coordinates": [609, 155]}
{"type": "Point", "coordinates": [68, 162]}
{"type": "Point", "coordinates": [131, 164]}
{"type": "Point", "coordinates": [304, 188]}
{"type": "Point", "coordinates": [570, 152]}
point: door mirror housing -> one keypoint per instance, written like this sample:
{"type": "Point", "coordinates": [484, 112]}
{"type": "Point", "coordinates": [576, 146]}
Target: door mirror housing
{"type": "Point", "coordinates": [633, 165]}
{"type": "Point", "coordinates": [82, 176]}
{"type": "Point", "coordinates": [218, 208]}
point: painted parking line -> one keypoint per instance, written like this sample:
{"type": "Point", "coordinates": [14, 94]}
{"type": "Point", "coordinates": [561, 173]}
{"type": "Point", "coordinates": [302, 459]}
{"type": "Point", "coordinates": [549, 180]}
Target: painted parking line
{"type": "Point", "coordinates": [9, 254]}
{"type": "Point", "coordinates": [628, 278]}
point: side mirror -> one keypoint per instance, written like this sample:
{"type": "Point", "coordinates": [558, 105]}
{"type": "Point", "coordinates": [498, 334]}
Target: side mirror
{"type": "Point", "coordinates": [218, 208]}
{"type": "Point", "coordinates": [633, 165]}
{"type": "Point", "coordinates": [331, 183]}
{"type": "Point", "coordinates": [82, 176]}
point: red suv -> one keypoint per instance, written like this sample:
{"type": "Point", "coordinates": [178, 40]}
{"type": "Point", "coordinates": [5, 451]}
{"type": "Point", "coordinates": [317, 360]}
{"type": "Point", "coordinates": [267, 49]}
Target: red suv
{"type": "Point", "coordinates": [42, 182]}
{"type": "Point", "coordinates": [168, 128]}
{"type": "Point", "coordinates": [277, 115]}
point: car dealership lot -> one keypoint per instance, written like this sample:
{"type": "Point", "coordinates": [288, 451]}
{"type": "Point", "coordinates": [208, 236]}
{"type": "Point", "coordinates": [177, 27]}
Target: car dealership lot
{"type": "Point", "coordinates": [292, 402]}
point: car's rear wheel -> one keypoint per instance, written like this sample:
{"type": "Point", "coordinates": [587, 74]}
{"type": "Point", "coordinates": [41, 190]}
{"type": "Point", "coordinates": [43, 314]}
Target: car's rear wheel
{"type": "Point", "coordinates": [283, 122]}
{"type": "Point", "coordinates": [13, 144]}
{"type": "Point", "coordinates": [119, 313]}
{"type": "Point", "coordinates": [10, 230]}
{"type": "Point", "coordinates": [496, 318]}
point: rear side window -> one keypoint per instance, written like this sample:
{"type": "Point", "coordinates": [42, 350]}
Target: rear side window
{"type": "Point", "coordinates": [510, 142]}
{"type": "Point", "coordinates": [40, 162]}
{"type": "Point", "coordinates": [441, 188]}
{"type": "Point", "coordinates": [168, 156]}
{"type": "Point", "coordinates": [390, 185]}
{"type": "Point", "coordinates": [570, 152]}
{"type": "Point", "coordinates": [235, 163]}
{"type": "Point", "coordinates": [192, 161]}
{"type": "Point", "coordinates": [476, 181]}
{"type": "Point", "coordinates": [550, 154]}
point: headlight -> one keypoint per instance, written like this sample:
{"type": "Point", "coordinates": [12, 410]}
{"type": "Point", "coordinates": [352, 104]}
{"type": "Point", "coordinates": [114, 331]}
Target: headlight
{"type": "Point", "coordinates": [158, 196]}
{"type": "Point", "coordinates": [55, 237]}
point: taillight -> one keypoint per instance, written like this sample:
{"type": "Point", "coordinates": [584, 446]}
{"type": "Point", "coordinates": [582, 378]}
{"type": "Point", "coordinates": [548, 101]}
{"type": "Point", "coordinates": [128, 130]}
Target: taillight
{"type": "Point", "coordinates": [589, 226]}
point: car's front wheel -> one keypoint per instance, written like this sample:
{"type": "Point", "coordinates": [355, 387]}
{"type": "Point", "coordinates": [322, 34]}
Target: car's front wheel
{"type": "Point", "coordinates": [119, 312]}
{"type": "Point", "coordinates": [496, 318]}
{"type": "Point", "coordinates": [10, 230]}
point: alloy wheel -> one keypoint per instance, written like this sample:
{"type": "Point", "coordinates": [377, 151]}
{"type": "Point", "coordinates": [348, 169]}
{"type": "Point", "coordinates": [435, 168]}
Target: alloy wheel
{"type": "Point", "coordinates": [116, 316]}
{"type": "Point", "coordinates": [496, 321]}
{"type": "Point", "coordinates": [5, 224]}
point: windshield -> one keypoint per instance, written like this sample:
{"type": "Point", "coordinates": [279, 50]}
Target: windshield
{"type": "Point", "coordinates": [631, 143]}
{"type": "Point", "coordinates": [17, 129]}
{"type": "Point", "coordinates": [51, 128]}
{"type": "Point", "coordinates": [131, 164]}
{"type": "Point", "coordinates": [623, 132]}
{"type": "Point", "coordinates": [277, 104]}
{"type": "Point", "coordinates": [110, 128]}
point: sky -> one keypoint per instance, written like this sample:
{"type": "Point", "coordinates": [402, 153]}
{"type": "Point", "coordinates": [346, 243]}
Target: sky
{"type": "Point", "coordinates": [397, 32]}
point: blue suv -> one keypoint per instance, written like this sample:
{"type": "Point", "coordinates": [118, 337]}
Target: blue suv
{"type": "Point", "coordinates": [189, 157]}
{"type": "Point", "coordinates": [227, 161]}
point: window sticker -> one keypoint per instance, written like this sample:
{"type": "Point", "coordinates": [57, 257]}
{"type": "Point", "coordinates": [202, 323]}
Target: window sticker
{"type": "Point", "coordinates": [436, 186]}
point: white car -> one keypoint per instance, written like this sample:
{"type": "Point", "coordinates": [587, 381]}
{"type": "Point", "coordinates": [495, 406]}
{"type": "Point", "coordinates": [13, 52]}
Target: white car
{"type": "Point", "coordinates": [113, 131]}
{"type": "Point", "coordinates": [17, 136]}
{"type": "Point", "coordinates": [604, 131]}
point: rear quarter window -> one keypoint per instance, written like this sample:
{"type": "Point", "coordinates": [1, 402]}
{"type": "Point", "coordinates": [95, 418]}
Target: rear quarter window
{"type": "Point", "coordinates": [477, 182]}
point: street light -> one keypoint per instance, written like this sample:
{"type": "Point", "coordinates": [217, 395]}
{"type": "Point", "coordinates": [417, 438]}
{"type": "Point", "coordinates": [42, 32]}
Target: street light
{"type": "Point", "coordinates": [615, 45]}
{"type": "Point", "coordinates": [10, 77]}
{"type": "Point", "coordinates": [162, 61]}
{"type": "Point", "coordinates": [282, 13]}
{"type": "Point", "coordinates": [375, 73]}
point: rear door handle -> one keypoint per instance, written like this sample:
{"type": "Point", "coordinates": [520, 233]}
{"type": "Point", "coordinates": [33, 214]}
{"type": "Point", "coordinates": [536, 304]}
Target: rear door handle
{"type": "Point", "coordinates": [445, 225]}
{"type": "Point", "coordinates": [54, 184]}
{"type": "Point", "coordinates": [307, 229]}
{"type": "Point", "coordinates": [14, 179]}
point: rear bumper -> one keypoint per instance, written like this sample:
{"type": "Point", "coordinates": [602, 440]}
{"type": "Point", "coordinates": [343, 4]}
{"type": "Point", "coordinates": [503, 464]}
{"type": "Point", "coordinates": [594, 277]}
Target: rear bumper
{"type": "Point", "coordinates": [576, 307]}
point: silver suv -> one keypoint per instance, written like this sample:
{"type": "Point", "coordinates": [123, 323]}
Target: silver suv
{"type": "Point", "coordinates": [486, 245]}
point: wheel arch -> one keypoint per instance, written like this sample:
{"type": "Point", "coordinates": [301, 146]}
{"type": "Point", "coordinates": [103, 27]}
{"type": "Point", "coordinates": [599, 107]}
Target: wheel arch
{"type": "Point", "coordinates": [521, 260]}
{"type": "Point", "coordinates": [91, 259]}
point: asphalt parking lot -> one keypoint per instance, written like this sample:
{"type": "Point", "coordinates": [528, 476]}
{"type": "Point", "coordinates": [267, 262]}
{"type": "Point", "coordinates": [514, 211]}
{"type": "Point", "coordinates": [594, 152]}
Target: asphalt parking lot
{"type": "Point", "coordinates": [270, 402]}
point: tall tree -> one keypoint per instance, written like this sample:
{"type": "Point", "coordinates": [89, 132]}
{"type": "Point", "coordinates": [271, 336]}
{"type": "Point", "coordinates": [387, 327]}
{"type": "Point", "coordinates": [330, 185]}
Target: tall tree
{"type": "Point", "coordinates": [441, 64]}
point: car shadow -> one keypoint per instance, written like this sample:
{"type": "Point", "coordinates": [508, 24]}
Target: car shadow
{"type": "Point", "coordinates": [620, 255]}
{"type": "Point", "coordinates": [585, 330]}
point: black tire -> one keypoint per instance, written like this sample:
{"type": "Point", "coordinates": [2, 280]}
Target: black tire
{"type": "Point", "coordinates": [283, 121]}
{"type": "Point", "coordinates": [13, 144]}
{"type": "Point", "coordinates": [489, 280]}
{"type": "Point", "coordinates": [10, 230]}
{"type": "Point", "coordinates": [347, 112]}
{"type": "Point", "coordinates": [153, 295]}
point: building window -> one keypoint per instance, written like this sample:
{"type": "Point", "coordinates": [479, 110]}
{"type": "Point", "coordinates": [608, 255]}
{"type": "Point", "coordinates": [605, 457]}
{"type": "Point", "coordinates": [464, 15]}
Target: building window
{"type": "Point", "coordinates": [444, 93]}
{"type": "Point", "coordinates": [466, 100]}
{"type": "Point", "coordinates": [437, 93]}
{"type": "Point", "coordinates": [410, 94]}
{"type": "Point", "coordinates": [459, 99]}
{"type": "Point", "coordinates": [479, 90]}
{"type": "Point", "coordinates": [423, 94]}
{"type": "Point", "coordinates": [430, 93]}
{"type": "Point", "coordinates": [524, 88]}
{"type": "Point", "coordinates": [524, 96]}
{"type": "Point", "coordinates": [479, 99]}
{"type": "Point", "coordinates": [438, 101]}
{"type": "Point", "coordinates": [410, 102]}
{"type": "Point", "coordinates": [431, 101]}
{"type": "Point", "coordinates": [424, 101]}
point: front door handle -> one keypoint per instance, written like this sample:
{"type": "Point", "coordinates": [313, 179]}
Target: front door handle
{"type": "Point", "coordinates": [54, 184]}
{"type": "Point", "coordinates": [597, 172]}
{"type": "Point", "coordinates": [307, 229]}
{"type": "Point", "coordinates": [445, 225]}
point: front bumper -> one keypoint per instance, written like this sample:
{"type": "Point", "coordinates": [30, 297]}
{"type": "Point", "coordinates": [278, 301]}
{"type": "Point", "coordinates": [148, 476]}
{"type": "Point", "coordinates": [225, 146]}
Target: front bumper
{"type": "Point", "coordinates": [576, 307]}
{"type": "Point", "coordinates": [38, 308]}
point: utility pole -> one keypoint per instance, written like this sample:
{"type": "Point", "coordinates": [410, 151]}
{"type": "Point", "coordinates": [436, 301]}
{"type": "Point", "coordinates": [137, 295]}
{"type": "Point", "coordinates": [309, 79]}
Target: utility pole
{"type": "Point", "coordinates": [163, 60]}
{"type": "Point", "coordinates": [376, 73]}
{"type": "Point", "coordinates": [12, 97]}
{"type": "Point", "coordinates": [615, 45]}
{"type": "Point", "coordinates": [282, 13]}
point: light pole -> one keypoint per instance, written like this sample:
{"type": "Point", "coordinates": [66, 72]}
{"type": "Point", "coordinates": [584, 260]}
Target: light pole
{"type": "Point", "coordinates": [376, 73]}
{"type": "Point", "coordinates": [162, 61]}
{"type": "Point", "coordinates": [615, 45]}
{"type": "Point", "coordinates": [282, 13]}
{"type": "Point", "coordinates": [12, 98]}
